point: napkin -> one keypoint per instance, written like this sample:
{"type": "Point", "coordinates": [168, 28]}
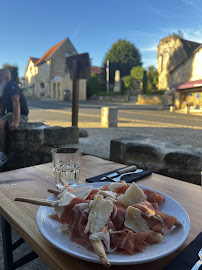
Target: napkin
{"type": "Point", "coordinates": [188, 257]}
{"type": "Point", "coordinates": [128, 178]}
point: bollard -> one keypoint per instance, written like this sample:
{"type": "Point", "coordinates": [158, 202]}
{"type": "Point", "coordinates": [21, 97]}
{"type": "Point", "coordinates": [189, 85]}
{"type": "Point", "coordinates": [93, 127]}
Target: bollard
{"type": "Point", "coordinates": [172, 108]}
{"type": "Point", "coordinates": [108, 117]}
{"type": "Point", "coordinates": [187, 109]}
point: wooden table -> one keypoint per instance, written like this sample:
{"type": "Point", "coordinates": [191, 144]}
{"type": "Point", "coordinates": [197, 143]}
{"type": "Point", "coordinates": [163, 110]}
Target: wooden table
{"type": "Point", "coordinates": [34, 181]}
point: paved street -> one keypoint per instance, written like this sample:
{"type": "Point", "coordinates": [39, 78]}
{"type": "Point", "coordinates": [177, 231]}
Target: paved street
{"type": "Point", "coordinates": [129, 115]}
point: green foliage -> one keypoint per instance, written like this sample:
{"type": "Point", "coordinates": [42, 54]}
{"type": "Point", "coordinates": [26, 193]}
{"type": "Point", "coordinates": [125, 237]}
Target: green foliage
{"type": "Point", "coordinates": [156, 92]}
{"type": "Point", "coordinates": [152, 78]}
{"type": "Point", "coordinates": [122, 56]}
{"type": "Point", "coordinates": [93, 86]}
{"type": "Point", "coordinates": [179, 34]}
{"type": "Point", "coordinates": [13, 70]}
{"type": "Point", "coordinates": [127, 80]}
{"type": "Point", "coordinates": [137, 73]}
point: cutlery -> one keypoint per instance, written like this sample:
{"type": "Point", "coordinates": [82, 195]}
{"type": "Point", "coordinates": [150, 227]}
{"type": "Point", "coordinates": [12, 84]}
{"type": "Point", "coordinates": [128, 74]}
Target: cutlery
{"type": "Point", "coordinates": [119, 172]}
{"type": "Point", "coordinates": [199, 262]}
{"type": "Point", "coordinates": [118, 178]}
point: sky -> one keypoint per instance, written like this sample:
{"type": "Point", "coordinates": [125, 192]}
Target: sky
{"type": "Point", "coordinates": [30, 28]}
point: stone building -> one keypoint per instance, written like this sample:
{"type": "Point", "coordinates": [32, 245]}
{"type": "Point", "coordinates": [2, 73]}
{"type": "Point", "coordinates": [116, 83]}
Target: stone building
{"type": "Point", "coordinates": [49, 76]}
{"type": "Point", "coordinates": [179, 69]}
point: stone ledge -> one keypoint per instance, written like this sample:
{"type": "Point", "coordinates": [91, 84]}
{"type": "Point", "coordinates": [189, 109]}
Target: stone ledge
{"type": "Point", "coordinates": [167, 158]}
{"type": "Point", "coordinates": [32, 142]}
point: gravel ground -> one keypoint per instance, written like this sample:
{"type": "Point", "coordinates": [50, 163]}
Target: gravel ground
{"type": "Point", "coordinates": [98, 141]}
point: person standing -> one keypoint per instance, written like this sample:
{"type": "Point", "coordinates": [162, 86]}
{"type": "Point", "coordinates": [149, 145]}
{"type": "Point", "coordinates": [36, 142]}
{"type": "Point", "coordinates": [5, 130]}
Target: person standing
{"type": "Point", "coordinates": [15, 109]}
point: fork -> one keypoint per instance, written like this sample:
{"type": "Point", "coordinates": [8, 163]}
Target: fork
{"type": "Point", "coordinates": [199, 262]}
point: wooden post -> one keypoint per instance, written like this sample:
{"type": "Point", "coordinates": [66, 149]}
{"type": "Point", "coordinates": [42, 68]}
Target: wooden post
{"type": "Point", "coordinates": [79, 66]}
{"type": "Point", "coordinates": [75, 93]}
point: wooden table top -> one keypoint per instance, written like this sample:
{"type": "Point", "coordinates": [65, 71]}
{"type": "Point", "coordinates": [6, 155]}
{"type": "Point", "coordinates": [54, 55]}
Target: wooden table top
{"type": "Point", "coordinates": [34, 182]}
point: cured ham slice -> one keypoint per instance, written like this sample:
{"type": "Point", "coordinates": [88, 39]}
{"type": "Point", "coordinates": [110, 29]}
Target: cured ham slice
{"type": "Point", "coordinates": [118, 216]}
{"type": "Point", "coordinates": [154, 198]}
{"type": "Point", "coordinates": [77, 229]}
{"type": "Point", "coordinates": [68, 214]}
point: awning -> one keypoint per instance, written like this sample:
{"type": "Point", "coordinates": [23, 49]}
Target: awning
{"type": "Point", "coordinates": [187, 85]}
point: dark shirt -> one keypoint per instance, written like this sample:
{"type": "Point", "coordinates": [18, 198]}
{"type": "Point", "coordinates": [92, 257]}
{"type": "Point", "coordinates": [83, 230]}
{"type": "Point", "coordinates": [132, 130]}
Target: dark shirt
{"type": "Point", "coordinates": [12, 89]}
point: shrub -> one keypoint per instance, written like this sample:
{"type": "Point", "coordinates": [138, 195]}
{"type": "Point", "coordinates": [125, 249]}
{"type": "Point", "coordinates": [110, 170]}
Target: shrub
{"type": "Point", "coordinates": [93, 86]}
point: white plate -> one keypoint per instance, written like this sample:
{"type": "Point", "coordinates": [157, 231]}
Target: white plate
{"type": "Point", "coordinates": [171, 242]}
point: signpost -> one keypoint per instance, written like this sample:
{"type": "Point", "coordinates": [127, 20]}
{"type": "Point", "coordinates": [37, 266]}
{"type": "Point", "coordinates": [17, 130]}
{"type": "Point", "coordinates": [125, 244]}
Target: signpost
{"type": "Point", "coordinates": [79, 66]}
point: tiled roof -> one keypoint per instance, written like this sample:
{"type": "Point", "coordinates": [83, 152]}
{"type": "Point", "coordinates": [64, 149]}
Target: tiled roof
{"type": "Point", "coordinates": [33, 59]}
{"type": "Point", "coordinates": [189, 46]}
{"type": "Point", "coordinates": [96, 70]}
{"type": "Point", "coordinates": [50, 52]}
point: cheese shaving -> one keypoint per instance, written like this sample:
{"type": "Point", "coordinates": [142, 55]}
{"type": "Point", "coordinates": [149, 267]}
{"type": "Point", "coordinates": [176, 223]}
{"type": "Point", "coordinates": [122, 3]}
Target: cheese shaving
{"type": "Point", "coordinates": [133, 195]}
{"type": "Point", "coordinates": [99, 214]}
{"type": "Point", "coordinates": [66, 199]}
{"type": "Point", "coordinates": [107, 193]}
{"type": "Point", "coordinates": [134, 220]}
{"type": "Point", "coordinates": [82, 192]}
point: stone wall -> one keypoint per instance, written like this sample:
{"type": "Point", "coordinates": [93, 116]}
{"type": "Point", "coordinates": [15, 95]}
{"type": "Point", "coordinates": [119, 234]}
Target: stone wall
{"type": "Point", "coordinates": [151, 99]}
{"type": "Point", "coordinates": [190, 70]}
{"type": "Point", "coordinates": [166, 158]}
{"type": "Point", "coordinates": [31, 143]}
{"type": "Point", "coordinates": [170, 53]}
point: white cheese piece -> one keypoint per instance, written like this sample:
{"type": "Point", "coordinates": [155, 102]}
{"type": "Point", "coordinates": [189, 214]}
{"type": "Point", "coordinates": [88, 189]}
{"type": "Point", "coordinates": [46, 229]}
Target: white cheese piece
{"type": "Point", "coordinates": [99, 214]}
{"type": "Point", "coordinates": [58, 210]}
{"type": "Point", "coordinates": [116, 185]}
{"type": "Point", "coordinates": [61, 194]}
{"type": "Point", "coordinates": [134, 220]}
{"type": "Point", "coordinates": [82, 192]}
{"type": "Point", "coordinates": [133, 195]}
{"type": "Point", "coordinates": [107, 193]}
{"type": "Point", "coordinates": [66, 199]}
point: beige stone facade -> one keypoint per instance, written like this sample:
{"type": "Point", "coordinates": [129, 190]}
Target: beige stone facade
{"type": "Point", "coordinates": [49, 76]}
{"type": "Point", "coordinates": [189, 70]}
{"type": "Point", "coordinates": [171, 52]}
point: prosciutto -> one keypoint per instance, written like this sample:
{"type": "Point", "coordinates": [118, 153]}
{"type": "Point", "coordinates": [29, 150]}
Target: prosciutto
{"type": "Point", "coordinates": [115, 235]}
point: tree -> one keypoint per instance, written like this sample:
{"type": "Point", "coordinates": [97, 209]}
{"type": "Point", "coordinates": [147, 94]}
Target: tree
{"type": "Point", "coordinates": [152, 78]}
{"type": "Point", "coordinates": [13, 70]}
{"type": "Point", "coordinates": [137, 73]}
{"type": "Point", "coordinates": [122, 56]}
{"type": "Point", "coordinates": [179, 34]}
{"type": "Point", "coordinates": [93, 86]}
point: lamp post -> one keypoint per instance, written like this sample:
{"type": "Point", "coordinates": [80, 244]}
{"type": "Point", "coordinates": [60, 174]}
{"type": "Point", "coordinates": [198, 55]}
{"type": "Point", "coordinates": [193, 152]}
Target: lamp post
{"type": "Point", "coordinates": [107, 75]}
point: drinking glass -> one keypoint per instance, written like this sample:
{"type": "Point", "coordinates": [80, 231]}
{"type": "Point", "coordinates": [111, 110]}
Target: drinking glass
{"type": "Point", "coordinates": [66, 166]}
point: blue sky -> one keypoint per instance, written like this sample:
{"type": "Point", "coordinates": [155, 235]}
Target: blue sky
{"type": "Point", "coordinates": [30, 28]}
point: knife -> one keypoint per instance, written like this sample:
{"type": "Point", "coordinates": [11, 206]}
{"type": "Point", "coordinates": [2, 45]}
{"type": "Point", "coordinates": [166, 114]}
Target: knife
{"type": "Point", "coordinates": [120, 172]}
{"type": "Point", "coordinates": [199, 263]}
